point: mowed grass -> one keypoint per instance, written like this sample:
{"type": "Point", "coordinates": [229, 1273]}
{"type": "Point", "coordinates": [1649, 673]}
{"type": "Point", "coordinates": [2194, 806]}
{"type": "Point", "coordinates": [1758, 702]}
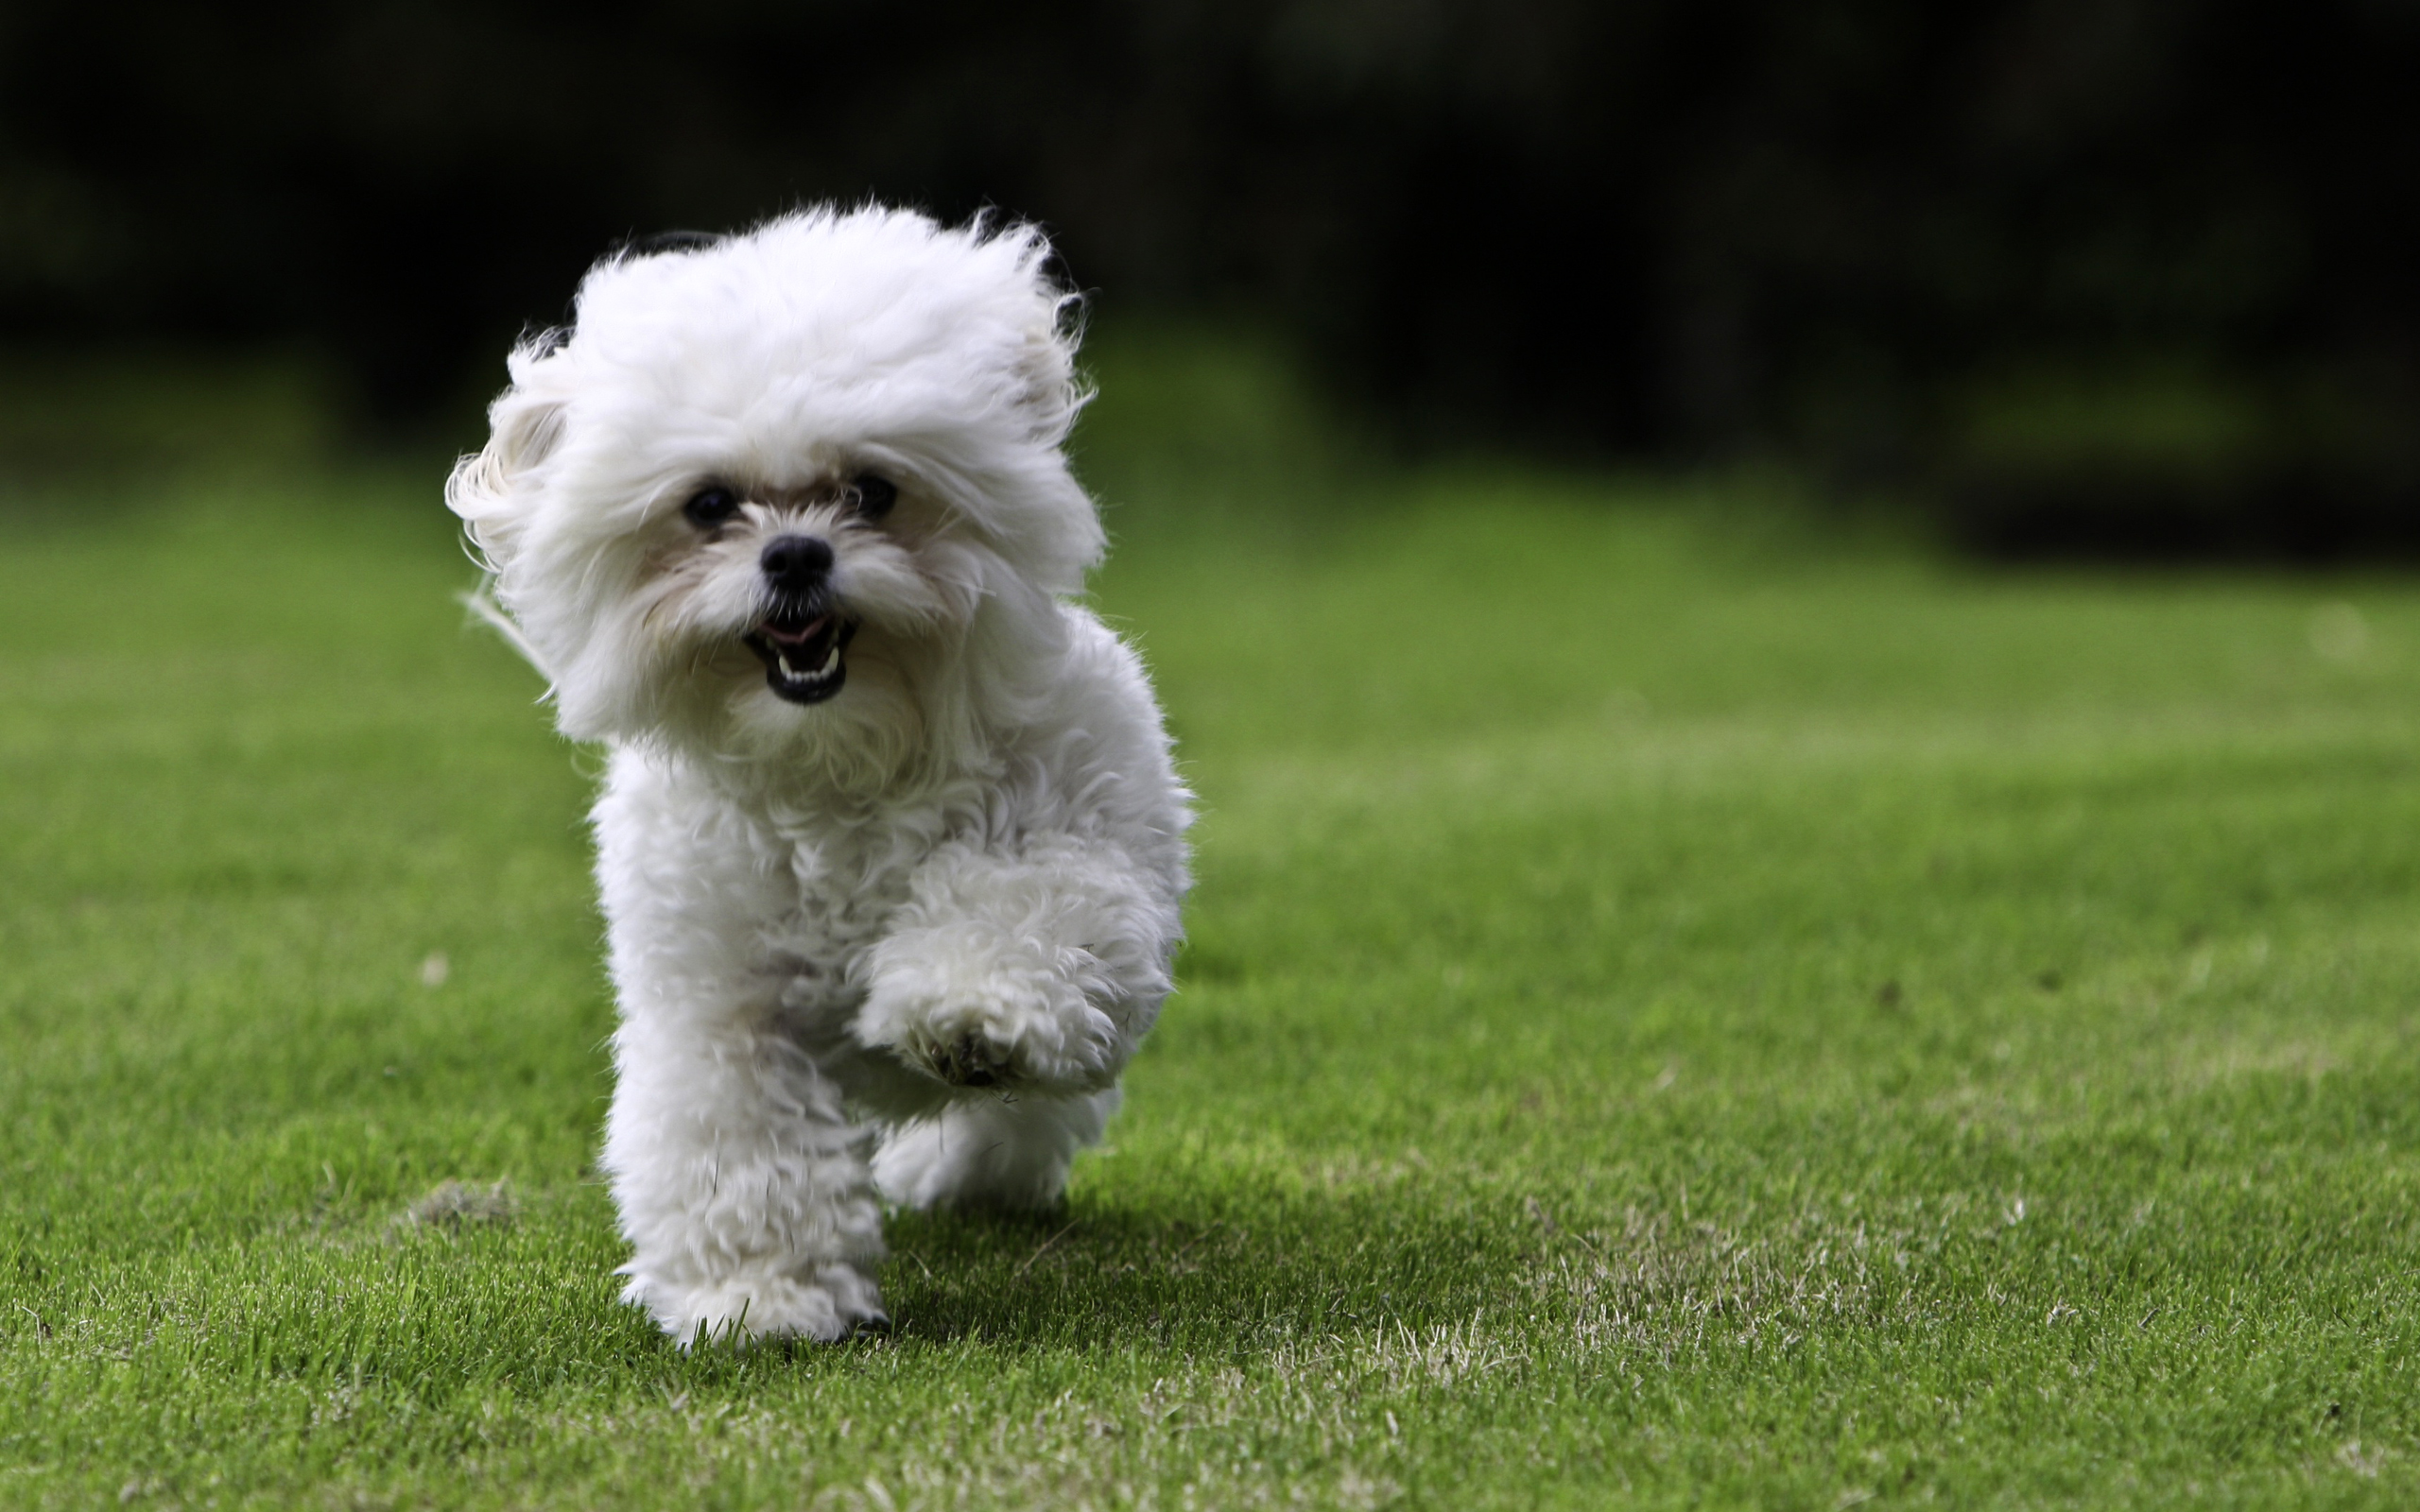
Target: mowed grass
{"type": "Point", "coordinates": [1677, 1013]}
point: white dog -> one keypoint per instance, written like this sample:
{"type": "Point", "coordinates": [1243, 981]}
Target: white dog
{"type": "Point", "coordinates": [891, 829]}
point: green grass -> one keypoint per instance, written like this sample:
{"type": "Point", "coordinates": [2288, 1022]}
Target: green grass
{"type": "Point", "coordinates": [1677, 1013]}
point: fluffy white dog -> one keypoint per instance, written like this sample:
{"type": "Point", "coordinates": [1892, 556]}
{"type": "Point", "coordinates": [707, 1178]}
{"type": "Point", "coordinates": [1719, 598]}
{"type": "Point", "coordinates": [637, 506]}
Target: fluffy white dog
{"type": "Point", "coordinates": [890, 831]}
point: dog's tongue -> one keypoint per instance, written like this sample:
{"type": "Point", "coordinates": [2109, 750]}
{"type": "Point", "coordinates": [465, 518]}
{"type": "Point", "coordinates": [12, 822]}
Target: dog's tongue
{"type": "Point", "coordinates": [799, 634]}
{"type": "Point", "coordinates": [802, 657]}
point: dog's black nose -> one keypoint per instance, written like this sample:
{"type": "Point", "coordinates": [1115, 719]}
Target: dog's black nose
{"type": "Point", "coordinates": [796, 562]}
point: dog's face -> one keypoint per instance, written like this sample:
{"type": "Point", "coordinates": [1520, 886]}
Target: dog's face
{"type": "Point", "coordinates": [756, 601]}
{"type": "Point", "coordinates": [796, 497]}
{"type": "Point", "coordinates": [773, 555]}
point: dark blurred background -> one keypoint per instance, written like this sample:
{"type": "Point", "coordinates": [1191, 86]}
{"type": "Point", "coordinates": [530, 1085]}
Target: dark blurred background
{"type": "Point", "coordinates": [2113, 277]}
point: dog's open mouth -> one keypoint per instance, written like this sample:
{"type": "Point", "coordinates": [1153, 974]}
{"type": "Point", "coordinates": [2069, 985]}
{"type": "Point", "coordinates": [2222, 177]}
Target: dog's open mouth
{"type": "Point", "coordinates": [802, 654]}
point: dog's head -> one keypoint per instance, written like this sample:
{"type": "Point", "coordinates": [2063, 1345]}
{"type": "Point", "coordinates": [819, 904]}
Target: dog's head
{"type": "Point", "coordinates": [792, 497]}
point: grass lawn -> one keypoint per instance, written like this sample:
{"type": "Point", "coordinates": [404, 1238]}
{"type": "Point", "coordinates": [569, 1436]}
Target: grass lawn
{"type": "Point", "coordinates": [1677, 1013]}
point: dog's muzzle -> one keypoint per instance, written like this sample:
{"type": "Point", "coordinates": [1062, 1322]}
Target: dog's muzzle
{"type": "Point", "coordinates": [802, 639]}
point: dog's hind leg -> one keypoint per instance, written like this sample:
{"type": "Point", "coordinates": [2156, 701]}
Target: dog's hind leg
{"type": "Point", "coordinates": [991, 1152]}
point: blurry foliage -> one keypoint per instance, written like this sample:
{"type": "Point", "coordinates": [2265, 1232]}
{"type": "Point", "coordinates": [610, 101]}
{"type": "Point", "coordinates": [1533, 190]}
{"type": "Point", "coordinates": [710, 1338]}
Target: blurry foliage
{"type": "Point", "coordinates": [1867, 234]}
{"type": "Point", "coordinates": [1193, 426]}
{"type": "Point", "coordinates": [71, 414]}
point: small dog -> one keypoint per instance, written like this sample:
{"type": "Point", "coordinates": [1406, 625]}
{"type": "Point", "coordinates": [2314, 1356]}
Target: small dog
{"type": "Point", "coordinates": [891, 844]}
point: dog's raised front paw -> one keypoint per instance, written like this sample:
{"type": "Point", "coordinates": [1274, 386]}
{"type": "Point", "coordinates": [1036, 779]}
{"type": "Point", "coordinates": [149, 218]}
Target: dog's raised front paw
{"type": "Point", "coordinates": [971, 1060]}
{"type": "Point", "coordinates": [998, 1033]}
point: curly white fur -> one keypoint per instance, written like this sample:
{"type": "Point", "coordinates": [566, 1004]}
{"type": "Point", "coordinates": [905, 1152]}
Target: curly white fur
{"type": "Point", "coordinates": [942, 901]}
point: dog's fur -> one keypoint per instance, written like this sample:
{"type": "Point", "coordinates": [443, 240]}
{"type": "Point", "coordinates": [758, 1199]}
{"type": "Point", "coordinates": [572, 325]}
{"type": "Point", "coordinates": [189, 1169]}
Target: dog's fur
{"type": "Point", "coordinates": [937, 906]}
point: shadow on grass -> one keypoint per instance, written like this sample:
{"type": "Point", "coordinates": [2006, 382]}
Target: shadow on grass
{"type": "Point", "coordinates": [1095, 1276]}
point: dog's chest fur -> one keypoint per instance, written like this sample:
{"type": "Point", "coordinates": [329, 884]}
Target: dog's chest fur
{"type": "Point", "coordinates": [847, 876]}
{"type": "Point", "coordinates": [778, 901]}
{"type": "Point", "coordinates": [848, 884]}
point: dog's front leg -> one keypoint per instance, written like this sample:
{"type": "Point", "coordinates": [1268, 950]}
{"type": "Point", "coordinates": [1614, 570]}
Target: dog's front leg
{"type": "Point", "coordinates": [1026, 980]}
{"type": "Point", "coordinates": [1036, 971]}
{"type": "Point", "coordinates": [742, 1185]}
{"type": "Point", "coordinates": [743, 1191]}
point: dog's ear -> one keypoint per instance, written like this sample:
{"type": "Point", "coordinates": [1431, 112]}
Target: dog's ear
{"type": "Point", "coordinates": [484, 488]}
{"type": "Point", "coordinates": [1048, 388]}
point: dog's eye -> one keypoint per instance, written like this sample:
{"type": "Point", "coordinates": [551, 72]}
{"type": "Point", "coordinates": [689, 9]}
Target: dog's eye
{"type": "Point", "coordinates": [873, 496]}
{"type": "Point", "coordinates": [711, 507]}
